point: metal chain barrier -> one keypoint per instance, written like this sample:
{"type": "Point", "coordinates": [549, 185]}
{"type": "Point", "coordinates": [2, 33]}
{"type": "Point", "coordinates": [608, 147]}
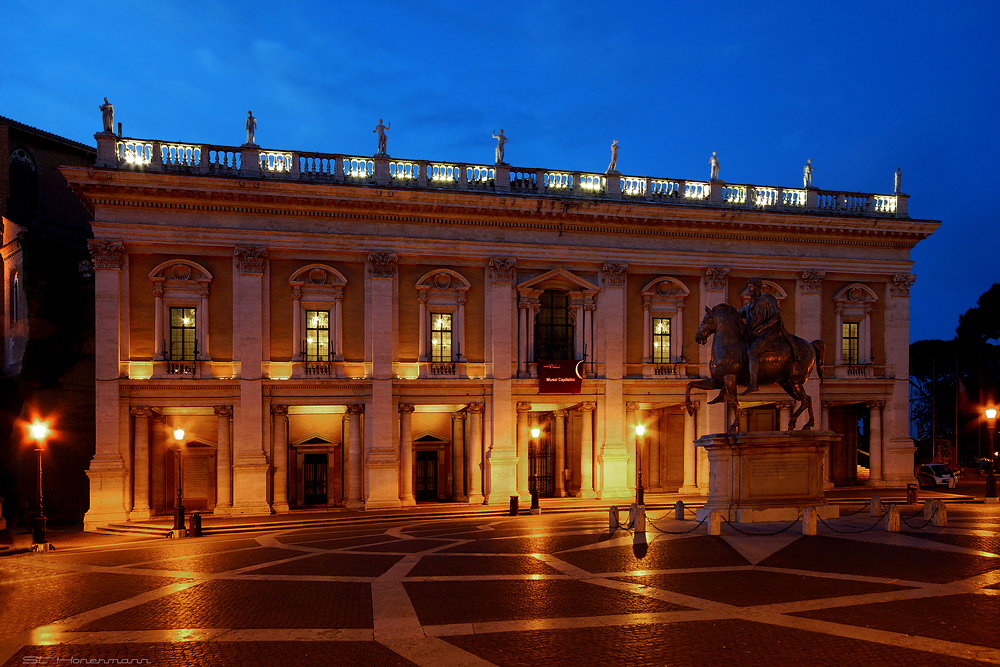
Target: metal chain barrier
{"type": "Point", "coordinates": [863, 508]}
{"type": "Point", "coordinates": [904, 519]}
{"type": "Point", "coordinates": [675, 532]}
{"type": "Point", "coordinates": [754, 533]}
{"type": "Point", "coordinates": [848, 532]}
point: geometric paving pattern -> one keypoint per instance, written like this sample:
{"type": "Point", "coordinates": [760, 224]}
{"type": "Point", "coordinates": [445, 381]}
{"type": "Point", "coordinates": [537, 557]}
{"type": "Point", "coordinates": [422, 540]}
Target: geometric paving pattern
{"type": "Point", "coordinates": [551, 589]}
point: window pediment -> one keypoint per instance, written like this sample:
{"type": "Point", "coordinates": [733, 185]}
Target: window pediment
{"type": "Point", "coordinates": [318, 276]}
{"type": "Point", "coordinates": [558, 279]}
{"type": "Point", "coordinates": [180, 273]}
{"type": "Point", "coordinates": [665, 294]}
{"type": "Point", "coordinates": [856, 293]}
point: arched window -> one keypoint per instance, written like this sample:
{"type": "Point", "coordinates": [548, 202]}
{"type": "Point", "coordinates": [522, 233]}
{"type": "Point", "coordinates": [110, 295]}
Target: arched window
{"type": "Point", "coordinates": [554, 327]}
{"type": "Point", "coordinates": [23, 187]}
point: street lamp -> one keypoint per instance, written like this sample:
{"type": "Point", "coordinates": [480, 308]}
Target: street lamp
{"type": "Point", "coordinates": [639, 491]}
{"type": "Point", "coordinates": [179, 528]}
{"type": "Point", "coordinates": [533, 479]}
{"type": "Point", "coordinates": [991, 476]}
{"type": "Point", "coordinates": [39, 432]}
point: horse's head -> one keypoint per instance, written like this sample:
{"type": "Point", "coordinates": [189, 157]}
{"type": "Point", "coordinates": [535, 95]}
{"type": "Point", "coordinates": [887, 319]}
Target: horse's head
{"type": "Point", "coordinates": [706, 328]}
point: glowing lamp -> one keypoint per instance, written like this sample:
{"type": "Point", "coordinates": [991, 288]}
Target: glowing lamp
{"type": "Point", "coordinates": [39, 431]}
{"type": "Point", "coordinates": [640, 429]}
{"type": "Point", "coordinates": [991, 413]}
{"type": "Point", "coordinates": [535, 432]}
{"type": "Point", "coordinates": [178, 434]}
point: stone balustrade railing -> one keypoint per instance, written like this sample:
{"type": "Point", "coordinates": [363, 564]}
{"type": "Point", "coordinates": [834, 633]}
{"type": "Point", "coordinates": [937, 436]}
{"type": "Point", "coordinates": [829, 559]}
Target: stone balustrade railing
{"type": "Point", "coordinates": [254, 162]}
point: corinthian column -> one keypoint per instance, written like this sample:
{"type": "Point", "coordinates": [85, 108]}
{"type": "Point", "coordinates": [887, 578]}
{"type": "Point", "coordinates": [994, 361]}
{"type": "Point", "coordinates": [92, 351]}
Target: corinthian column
{"type": "Point", "coordinates": [560, 433]}
{"type": "Point", "coordinates": [458, 457]}
{"type": "Point", "coordinates": [587, 451]}
{"type": "Point", "coordinates": [523, 438]}
{"type": "Point", "coordinates": [406, 454]}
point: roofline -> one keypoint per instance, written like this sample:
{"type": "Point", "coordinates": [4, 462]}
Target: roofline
{"type": "Point", "coordinates": [47, 135]}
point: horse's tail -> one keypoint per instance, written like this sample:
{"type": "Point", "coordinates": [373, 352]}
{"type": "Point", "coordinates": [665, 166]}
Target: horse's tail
{"type": "Point", "coordinates": [820, 348]}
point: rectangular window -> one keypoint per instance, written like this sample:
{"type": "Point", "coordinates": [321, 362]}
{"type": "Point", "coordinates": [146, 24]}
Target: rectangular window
{"type": "Point", "coordinates": [850, 343]}
{"type": "Point", "coordinates": [317, 335]}
{"type": "Point", "coordinates": [441, 337]}
{"type": "Point", "coordinates": [183, 337]}
{"type": "Point", "coordinates": [661, 340]}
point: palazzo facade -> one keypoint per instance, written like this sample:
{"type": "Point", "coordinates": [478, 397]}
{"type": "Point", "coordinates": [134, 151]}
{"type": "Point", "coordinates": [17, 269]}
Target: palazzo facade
{"type": "Point", "coordinates": [289, 330]}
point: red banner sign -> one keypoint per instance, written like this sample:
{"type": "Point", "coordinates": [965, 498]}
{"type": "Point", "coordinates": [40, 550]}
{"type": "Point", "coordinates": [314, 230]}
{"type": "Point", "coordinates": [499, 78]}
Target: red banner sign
{"type": "Point", "coordinates": [560, 377]}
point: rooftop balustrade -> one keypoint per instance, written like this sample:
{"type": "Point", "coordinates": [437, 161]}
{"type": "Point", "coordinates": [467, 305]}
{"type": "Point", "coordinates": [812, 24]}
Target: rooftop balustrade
{"type": "Point", "coordinates": [254, 162]}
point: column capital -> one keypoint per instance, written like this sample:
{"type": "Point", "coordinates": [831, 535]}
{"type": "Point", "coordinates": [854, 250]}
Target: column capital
{"type": "Point", "coordinates": [406, 408]}
{"type": "Point", "coordinates": [901, 284]}
{"type": "Point", "coordinates": [158, 417]}
{"type": "Point", "coordinates": [477, 408]}
{"type": "Point", "coordinates": [503, 269]}
{"type": "Point", "coordinates": [356, 409]}
{"type": "Point", "coordinates": [812, 281]}
{"type": "Point", "coordinates": [279, 410]}
{"type": "Point", "coordinates": [587, 406]}
{"type": "Point", "coordinates": [140, 411]}
{"type": "Point", "coordinates": [382, 264]}
{"type": "Point", "coordinates": [784, 405]}
{"type": "Point", "coordinates": [826, 404]}
{"type": "Point", "coordinates": [458, 416]}
{"type": "Point", "coordinates": [615, 273]}
{"type": "Point", "coordinates": [223, 410]}
{"type": "Point", "coordinates": [106, 254]}
{"type": "Point", "coordinates": [631, 406]}
{"type": "Point", "coordinates": [523, 407]}
{"type": "Point", "coordinates": [250, 259]}
{"type": "Point", "coordinates": [876, 404]}
{"type": "Point", "coordinates": [717, 278]}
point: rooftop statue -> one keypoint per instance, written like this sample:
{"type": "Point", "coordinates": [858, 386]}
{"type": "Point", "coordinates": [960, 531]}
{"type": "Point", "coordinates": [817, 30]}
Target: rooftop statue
{"type": "Point", "coordinates": [108, 115]}
{"type": "Point", "coordinates": [251, 128]}
{"type": "Point", "coordinates": [807, 174]}
{"type": "Point", "coordinates": [614, 156]}
{"type": "Point", "coordinates": [898, 181]}
{"type": "Point", "coordinates": [501, 140]}
{"type": "Point", "coordinates": [713, 163]}
{"type": "Point", "coordinates": [754, 352]}
{"type": "Point", "coordinates": [380, 130]}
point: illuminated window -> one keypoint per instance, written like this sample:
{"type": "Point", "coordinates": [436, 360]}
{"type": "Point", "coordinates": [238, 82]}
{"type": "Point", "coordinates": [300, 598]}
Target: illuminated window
{"type": "Point", "coordinates": [851, 340]}
{"type": "Point", "coordinates": [183, 334]}
{"type": "Point", "coordinates": [317, 335]}
{"type": "Point", "coordinates": [441, 337]}
{"type": "Point", "coordinates": [661, 340]}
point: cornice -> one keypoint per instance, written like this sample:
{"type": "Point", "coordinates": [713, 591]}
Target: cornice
{"type": "Point", "coordinates": [109, 188]}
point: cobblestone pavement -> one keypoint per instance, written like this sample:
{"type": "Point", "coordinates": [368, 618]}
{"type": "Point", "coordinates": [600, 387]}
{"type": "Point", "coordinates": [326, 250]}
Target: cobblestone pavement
{"type": "Point", "coordinates": [553, 589]}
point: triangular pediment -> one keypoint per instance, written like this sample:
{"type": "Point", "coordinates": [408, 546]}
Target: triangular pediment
{"type": "Point", "coordinates": [560, 279]}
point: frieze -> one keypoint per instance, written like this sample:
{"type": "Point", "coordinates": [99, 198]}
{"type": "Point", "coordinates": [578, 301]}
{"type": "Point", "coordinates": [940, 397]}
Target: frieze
{"type": "Point", "coordinates": [503, 269]}
{"type": "Point", "coordinates": [106, 254]}
{"type": "Point", "coordinates": [615, 273]}
{"type": "Point", "coordinates": [383, 264]}
{"type": "Point", "coordinates": [250, 259]}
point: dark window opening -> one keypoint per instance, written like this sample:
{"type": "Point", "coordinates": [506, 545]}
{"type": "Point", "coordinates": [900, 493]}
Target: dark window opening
{"type": "Point", "coordinates": [553, 327]}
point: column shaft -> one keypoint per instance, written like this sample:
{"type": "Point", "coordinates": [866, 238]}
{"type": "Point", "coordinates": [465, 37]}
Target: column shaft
{"type": "Point", "coordinates": [223, 459]}
{"type": "Point", "coordinates": [560, 444]}
{"type": "Point", "coordinates": [280, 457]}
{"type": "Point", "coordinates": [406, 454]}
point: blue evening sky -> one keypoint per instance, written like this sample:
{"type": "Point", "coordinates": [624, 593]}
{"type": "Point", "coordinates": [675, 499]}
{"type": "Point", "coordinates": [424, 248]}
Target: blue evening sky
{"type": "Point", "coordinates": [859, 87]}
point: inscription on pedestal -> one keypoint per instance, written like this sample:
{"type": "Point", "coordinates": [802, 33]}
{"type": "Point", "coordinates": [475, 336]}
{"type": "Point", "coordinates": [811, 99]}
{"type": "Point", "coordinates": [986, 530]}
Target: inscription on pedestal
{"type": "Point", "coordinates": [779, 476]}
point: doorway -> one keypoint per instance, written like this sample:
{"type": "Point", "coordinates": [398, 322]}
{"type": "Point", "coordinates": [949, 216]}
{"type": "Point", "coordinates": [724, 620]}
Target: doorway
{"type": "Point", "coordinates": [427, 466]}
{"type": "Point", "coordinates": [542, 464]}
{"type": "Point", "coordinates": [314, 482]}
{"type": "Point", "coordinates": [852, 452]}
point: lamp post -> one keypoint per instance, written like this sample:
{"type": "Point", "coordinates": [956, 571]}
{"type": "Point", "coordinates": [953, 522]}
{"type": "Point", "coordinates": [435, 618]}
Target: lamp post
{"type": "Point", "coordinates": [179, 528]}
{"type": "Point", "coordinates": [991, 476]}
{"type": "Point", "coordinates": [639, 491]}
{"type": "Point", "coordinates": [532, 478]}
{"type": "Point", "coordinates": [39, 432]}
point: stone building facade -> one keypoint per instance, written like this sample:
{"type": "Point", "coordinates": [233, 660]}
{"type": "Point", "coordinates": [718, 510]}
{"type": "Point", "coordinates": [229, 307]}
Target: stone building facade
{"type": "Point", "coordinates": [371, 332]}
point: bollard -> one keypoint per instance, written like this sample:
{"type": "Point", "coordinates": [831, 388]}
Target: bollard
{"type": "Point", "coordinates": [715, 522]}
{"type": "Point", "coordinates": [876, 506]}
{"type": "Point", "coordinates": [892, 519]}
{"type": "Point", "coordinates": [940, 515]}
{"type": "Point", "coordinates": [633, 511]}
{"type": "Point", "coordinates": [929, 508]}
{"type": "Point", "coordinates": [911, 494]}
{"type": "Point", "coordinates": [613, 524]}
{"type": "Point", "coordinates": [809, 521]}
{"type": "Point", "coordinates": [195, 524]}
{"type": "Point", "coordinates": [679, 510]}
{"type": "Point", "coordinates": [640, 519]}
{"type": "Point", "coordinates": [513, 506]}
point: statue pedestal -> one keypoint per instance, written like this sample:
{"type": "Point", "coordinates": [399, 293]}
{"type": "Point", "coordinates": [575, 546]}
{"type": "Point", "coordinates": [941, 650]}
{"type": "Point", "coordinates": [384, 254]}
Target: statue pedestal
{"type": "Point", "coordinates": [766, 475]}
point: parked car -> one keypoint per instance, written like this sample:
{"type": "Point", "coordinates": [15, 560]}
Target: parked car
{"type": "Point", "coordinates": [937, 474]}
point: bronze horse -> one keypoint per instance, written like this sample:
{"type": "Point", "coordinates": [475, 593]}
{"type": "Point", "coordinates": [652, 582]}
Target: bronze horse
{"type": "Point", "coordinates": [787, 367]}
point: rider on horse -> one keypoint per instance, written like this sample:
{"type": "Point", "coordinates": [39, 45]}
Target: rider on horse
{"type": "Point", "coordinates": [763, 329]}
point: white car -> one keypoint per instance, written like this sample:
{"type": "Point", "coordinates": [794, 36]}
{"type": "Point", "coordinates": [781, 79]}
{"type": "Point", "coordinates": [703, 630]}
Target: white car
{"type": "Point", "coordinates": [937, 474]}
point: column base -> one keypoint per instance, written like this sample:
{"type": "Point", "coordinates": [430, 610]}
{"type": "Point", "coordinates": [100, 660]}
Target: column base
{"type": "Point", "coordinates": [460, 499]}
{"type": "Point", "coordinates": [590, 493]}
{"type": "Point", "coordinates": [354, 504]}
{"type": "Point", "coordinates": [377, 504]}
{"type": "Point", "coordinates": [476, 499]}
{"type": "Point", "coordinates": [407, 502]}
{"type": "Point", "coordinates": [222, 510]}
{"type": "Point", "coordinates": [250, 489]}
{"type": "Point", "coordinates": [614, 473]}
{"type": "Point", "coordinates": [140, 514]}
{"type": "Point", "coordinates": [688, 488]}
{"type": "Point", "coordinates": [280, 507]}
{"type": "Point", "coordinates": [561, 493]}
{"type": "Point", "coordinates": [107, 498]}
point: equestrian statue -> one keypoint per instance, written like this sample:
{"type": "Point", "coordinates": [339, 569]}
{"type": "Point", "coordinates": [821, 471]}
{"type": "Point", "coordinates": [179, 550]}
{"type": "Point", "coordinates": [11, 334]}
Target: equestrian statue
{"type": "Point", "coordinates": [752, 348]}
